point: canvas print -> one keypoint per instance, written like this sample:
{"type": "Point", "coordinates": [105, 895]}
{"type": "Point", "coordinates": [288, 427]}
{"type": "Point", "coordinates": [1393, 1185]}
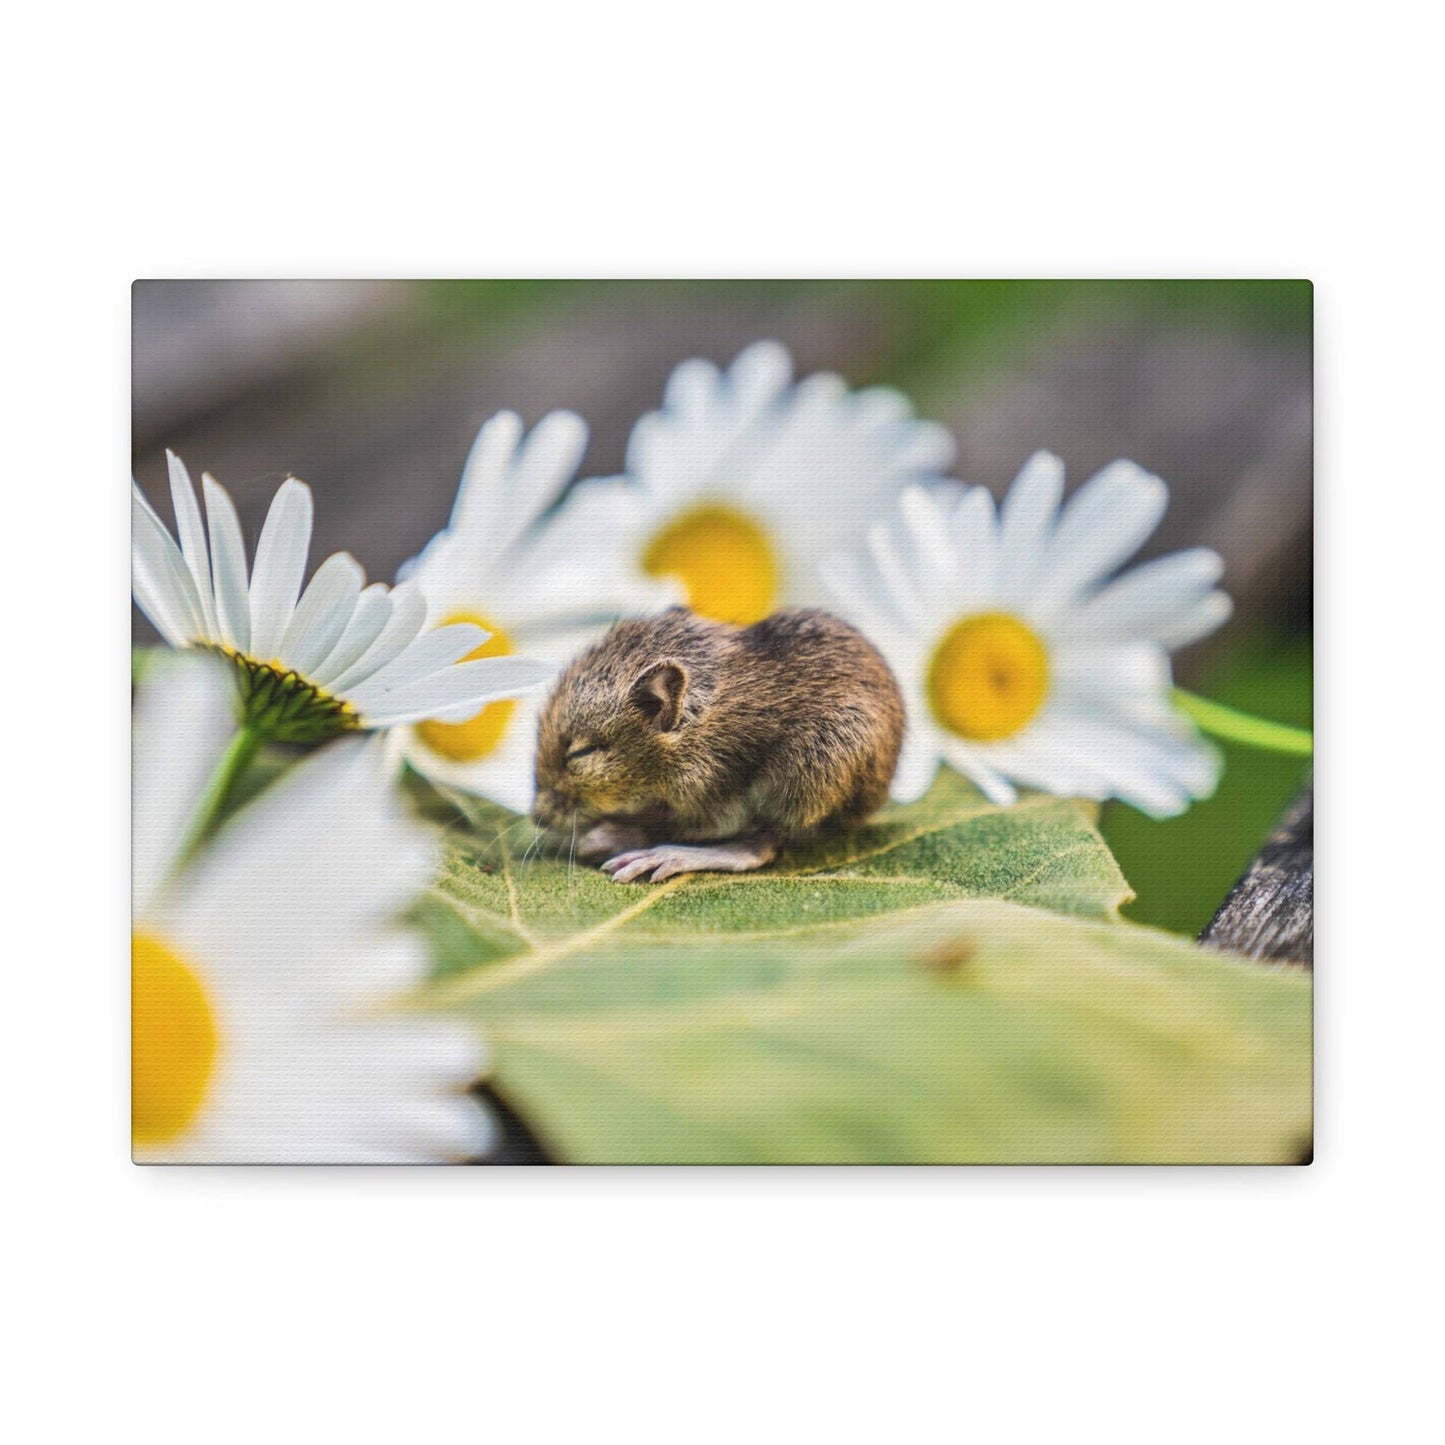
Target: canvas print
{"type": "Point", "coordinates": [848, 722]}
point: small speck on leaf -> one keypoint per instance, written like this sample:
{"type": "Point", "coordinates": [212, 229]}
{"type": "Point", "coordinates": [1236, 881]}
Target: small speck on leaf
{"type": "Point", "coordinates": [949, 957]}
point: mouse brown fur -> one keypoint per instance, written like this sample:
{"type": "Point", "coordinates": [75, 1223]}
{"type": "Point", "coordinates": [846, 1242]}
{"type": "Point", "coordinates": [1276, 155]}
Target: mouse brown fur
{"type": "Point", "coordinates": [679, 744]}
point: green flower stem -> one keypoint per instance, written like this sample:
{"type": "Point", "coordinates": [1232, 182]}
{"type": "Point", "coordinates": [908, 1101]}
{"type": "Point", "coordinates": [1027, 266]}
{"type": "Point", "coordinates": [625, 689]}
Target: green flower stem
{"type": "Point", "coordinates": [221, 787]}
{"type": "Point", "coordinates": [1239, 727]}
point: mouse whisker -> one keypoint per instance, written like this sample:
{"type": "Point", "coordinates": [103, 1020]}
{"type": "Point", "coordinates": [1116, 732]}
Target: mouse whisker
{"type": "Point", "coordinates": [503, 831]}
{"type": "Point", "coordinates": [572, 851]}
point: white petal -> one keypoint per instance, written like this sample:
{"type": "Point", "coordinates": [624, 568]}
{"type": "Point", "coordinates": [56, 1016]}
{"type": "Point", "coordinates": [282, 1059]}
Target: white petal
{"type": "Point", "coordinates": [1157, 771]}
{"type": "Point", "coordinates": [695, 442]}
{"type": "Point", "coordinates": [543, 467]}
{"type": "Point", "coordinates": [373, 608]}
{"type": "Point", "coordinates": [163, 587]}
{"type": "Point", "coordinates": [1198, 621]}
{"type": "Point", "coordinates": [1125, 686]}
{"type": "Point", "coordinates": [1051, 755]}
{"type": "Point", "coordinates": [487, 515]}
{"type": "Point", "coordinates": [1105, 522]}
{"type": "Point", "coordinates": [280, 567]}
{"type": "Point", "coordinates": [926, 525]}
{"type": "Point", "coordinates": [820, 399]}
{"type": "Point", "coordinates": [322, 613]}
{"type": "Point", "coordinates": [408, 612]}
{"type": "Point", "coordinates": [842, 576]}
{"type": "Point", "coordinates": [1169, 601]}
{"type": "Point", "coordinates": [447, 691]}
{"type": "Point", "coordinates": [435, 649]}
{"type": "Point", "coordinates": [974, 526]}
{"type": "Point", "coordinates": [859, 594]}
{"type": "Point", "coordinates": [890, 560]}
{"type": "Point", "coordinates": [758, 375]}
{"type": "Point", "coordinates": [918, 764]}
{"type": "Point", "coordinates": [1140, 779]}
{"type": "Point", "coordinates": [915, 447]}
{"type": "Point", "coordinates": [484, 470]}
{"type": "Point", "coordinates": [507, 485]}
{"type": "Point", "coordinates": [1026, 519]}
{"type": "Point", "coordinates": [411, 1118]}
{"type": "Point", "coordinates": [692, 387]}
{"type": "Point", "coordinates": [964, 758]}
{"type": "Point", "coordinates": [193, 539]}
{"type": "Point", "coordinates": [1171, 750]}
{"type": "Point", "coordinates": [879, 407]}
{"type": "Point", "coordinates": [228, 566]}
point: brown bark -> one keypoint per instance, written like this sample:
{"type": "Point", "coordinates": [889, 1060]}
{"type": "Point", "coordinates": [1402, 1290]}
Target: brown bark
{"type": "Point", "coordinates": [1270, 912]}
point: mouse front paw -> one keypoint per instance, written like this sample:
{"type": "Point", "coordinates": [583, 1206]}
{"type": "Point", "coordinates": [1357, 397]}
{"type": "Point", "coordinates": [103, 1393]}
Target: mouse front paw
{"type": "Point", "coordinates": [608, 838]}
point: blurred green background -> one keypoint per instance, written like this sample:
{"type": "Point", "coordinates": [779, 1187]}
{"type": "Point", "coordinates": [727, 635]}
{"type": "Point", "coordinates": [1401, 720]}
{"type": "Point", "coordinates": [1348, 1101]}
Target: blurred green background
{"type": "Point", "coordinates": [372, 391]}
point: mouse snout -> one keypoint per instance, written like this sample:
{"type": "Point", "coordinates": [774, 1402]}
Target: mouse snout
{"type": "Point", "coordinates": [552, 806]}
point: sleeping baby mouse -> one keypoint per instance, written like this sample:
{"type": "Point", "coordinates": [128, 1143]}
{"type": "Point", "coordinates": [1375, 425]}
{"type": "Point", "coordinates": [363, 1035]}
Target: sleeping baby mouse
{"type": "Point", "coordinates": [681, 745]}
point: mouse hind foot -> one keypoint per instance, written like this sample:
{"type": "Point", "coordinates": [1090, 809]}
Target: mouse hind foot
{"type": "Point", "coordinates": [666, 860]}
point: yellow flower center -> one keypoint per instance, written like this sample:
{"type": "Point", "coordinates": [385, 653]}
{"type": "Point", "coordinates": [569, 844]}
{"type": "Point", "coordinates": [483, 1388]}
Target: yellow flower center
{"type": "Point", "coordinates": [988, 677]}
{"type": "Point", "coordinates": [466, 742]}
{"type": "Point", "coordinates": [723, 558]}
{"type": "Point", "coordinates": [173, 1042]}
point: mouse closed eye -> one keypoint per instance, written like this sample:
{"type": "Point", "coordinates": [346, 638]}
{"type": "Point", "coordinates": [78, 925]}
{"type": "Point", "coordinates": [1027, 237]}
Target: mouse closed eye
{"type": "Point", "coordinates": [564, 773]}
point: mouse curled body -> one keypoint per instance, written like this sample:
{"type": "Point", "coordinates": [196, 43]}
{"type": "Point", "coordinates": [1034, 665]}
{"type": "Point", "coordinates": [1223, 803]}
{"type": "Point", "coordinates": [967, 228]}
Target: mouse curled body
{"type": "Point", "coordinates": [681, 745]}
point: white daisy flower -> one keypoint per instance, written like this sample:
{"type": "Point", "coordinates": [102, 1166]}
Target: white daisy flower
{"type": "Point", "coordinates": [1022, 658]}
{"type": "Point", "coordinates": [533, 585]}
{"type": "Point", "coordinates": [743, 482]}
{"type": "Point", "coordinates": [262, 971]}
{"type": "Point", "coordinates": [343, 655]}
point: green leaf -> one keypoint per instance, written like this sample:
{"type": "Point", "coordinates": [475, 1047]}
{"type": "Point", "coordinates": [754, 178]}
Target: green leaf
{"type": "Point", "coordinates": [950, 984]}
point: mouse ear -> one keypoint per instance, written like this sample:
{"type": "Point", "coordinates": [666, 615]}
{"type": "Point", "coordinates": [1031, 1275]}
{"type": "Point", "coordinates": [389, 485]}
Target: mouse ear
{"type": "Point", "coordinates": [658, 693]}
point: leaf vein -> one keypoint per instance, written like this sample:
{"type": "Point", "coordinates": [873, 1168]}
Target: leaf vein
{"type": "Point", "coordinates": [1035, 874]}
{"type": "Point", "coordinates": [928, 830]}
{"type": "Point", "coordinates": [484, 980]}
{"type": "Point", "coordinates": [474, 914]}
